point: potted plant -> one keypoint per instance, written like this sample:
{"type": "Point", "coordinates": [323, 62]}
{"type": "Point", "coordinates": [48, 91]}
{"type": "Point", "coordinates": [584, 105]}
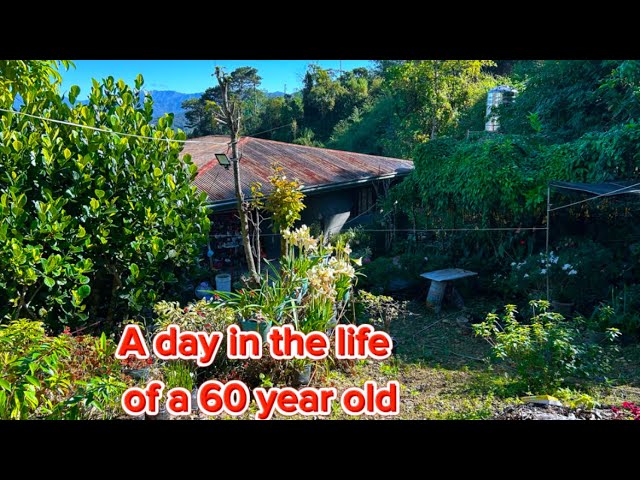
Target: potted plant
{"type": "Point", "coordinates": [302, 370]}
{"type": "Point", "coordinates": [259, 308]}
{"type": "Point", "coordinates": [257, 323]}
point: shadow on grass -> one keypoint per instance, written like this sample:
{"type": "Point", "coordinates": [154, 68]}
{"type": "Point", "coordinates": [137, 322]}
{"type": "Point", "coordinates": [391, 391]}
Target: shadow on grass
{"type": "Point", "coordinates": [441, 340]}
{"type": "Point", "coordinates": [444, 342]}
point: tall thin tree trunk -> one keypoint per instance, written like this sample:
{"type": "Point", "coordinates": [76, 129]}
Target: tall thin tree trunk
{"type": "Point", "coordinates": [230, 114]}
{"type": "Point", "coordinates": [242, 212]}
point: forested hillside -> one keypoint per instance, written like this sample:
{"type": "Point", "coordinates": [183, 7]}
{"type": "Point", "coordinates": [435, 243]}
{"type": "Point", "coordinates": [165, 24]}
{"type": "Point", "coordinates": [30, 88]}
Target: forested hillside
{"type": "Point", "coordinates": [384, 110]}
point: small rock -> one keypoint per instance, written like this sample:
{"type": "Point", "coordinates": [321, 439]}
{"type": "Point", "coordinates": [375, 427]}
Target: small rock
{"type": "Point", "coordinates": [542, 400]}
{"type": "Point", "coordinates": [194, 400]}
{"type": "Point", "coordinates": [162, 415]}
{"type": "Point", "coordinates": [551, 416]}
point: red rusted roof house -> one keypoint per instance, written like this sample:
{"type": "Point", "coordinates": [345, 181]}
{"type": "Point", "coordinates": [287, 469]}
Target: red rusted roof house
{"type": "Point", "coordinates": [339, 186]}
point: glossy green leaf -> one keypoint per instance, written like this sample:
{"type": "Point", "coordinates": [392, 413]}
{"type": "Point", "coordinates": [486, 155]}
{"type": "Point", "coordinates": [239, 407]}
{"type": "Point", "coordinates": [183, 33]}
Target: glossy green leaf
{"type": "Point", "coordinates": [74, 91]}
{"type": "Point", "coordinates": [84, 291]}
{"type": "Point", "coordinates": [135, 271]}
{"type": "Point", "coordinates": [33, 381]}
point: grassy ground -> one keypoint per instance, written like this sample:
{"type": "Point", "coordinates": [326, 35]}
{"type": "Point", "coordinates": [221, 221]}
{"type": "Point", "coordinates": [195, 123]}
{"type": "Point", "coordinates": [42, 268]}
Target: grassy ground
{"type": "Point", "coordinates": [444, 374]}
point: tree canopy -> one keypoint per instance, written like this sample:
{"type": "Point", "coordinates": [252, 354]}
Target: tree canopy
{"type": "Point", "coordinates": [92, 223]}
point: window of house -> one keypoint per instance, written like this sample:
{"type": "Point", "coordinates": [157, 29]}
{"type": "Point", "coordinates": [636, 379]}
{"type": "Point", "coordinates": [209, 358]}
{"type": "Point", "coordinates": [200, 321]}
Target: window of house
{"type": "Point", "coordinates": [365, 201]}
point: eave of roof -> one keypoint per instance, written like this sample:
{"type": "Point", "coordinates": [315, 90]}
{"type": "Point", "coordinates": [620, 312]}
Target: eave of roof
{"type": "Point", "coordinates": [614, 187]}
{"type": "Point", "coordinates": [329, 187]}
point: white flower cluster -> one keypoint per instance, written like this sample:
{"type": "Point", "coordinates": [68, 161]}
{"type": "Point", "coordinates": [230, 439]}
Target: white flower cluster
{"type": "Point", "coordinates": [547, 262]}
{"type": "Point", "coordinates": [341, 267]}
{"type": "Point", "coordinates": [301, 237]}
{"type": "Point", "coordinates": [323, 277]}
{"type": "Point", "coordinates": [322, 281]}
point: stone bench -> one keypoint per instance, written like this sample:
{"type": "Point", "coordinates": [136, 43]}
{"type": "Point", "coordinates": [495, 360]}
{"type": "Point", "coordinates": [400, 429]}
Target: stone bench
{"type": "Point", "coordinates": [439, 281]}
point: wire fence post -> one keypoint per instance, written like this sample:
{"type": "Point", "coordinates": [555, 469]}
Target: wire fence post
{"type": "Point", "coordinates": [547, 238]}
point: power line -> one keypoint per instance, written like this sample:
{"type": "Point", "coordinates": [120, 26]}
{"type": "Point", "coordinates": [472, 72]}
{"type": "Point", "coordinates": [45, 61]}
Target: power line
{"type": "Point", "coordinates": [410, 230]}
{"type": "Point", "coordinates": [608, 194]}
{"type": "Point", "coordinates": [270, 130]}
{"type": "Point", "coordinates": [106, 130]}
{"type": "Point", "coordinates": [475, 229]}
{"type": "Point", "coordinates": [122, 134]}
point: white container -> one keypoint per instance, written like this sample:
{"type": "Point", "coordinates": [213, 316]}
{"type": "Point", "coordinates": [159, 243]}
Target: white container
{"type": "Point", "coordinates": [223, 282]}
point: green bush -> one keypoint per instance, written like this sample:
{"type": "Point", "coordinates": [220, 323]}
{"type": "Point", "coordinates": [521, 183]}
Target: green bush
{"type": "Point", "coordinates": [546, 352]}
{"type": "Point", "coordinates": [380, 274]}
{"type": "Point", "coordinates": [622, 310]}
{"type": "Point", "coordinates": [56, 377]}
{"type": "Point", "coordinates": [92, 224]}
{"type": "Point", "coordinates": [195, 317]}
{"type": "Point", "coordinates": [579, 270]}
{"type": "Point", "coordinates": [378, 310]}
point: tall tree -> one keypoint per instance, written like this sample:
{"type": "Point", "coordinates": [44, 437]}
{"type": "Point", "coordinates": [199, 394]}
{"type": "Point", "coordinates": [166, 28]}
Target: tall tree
{"type": "Point", "coordinates": [418, 100]}
{"type": "Point", "coordinates": [201, 112]}
{"type": "Point", "coordinates": [228, 111]}
{"type": "Point", "coordinates": [94, 224]}
{"type": "Point", "coordinates": [574, 97]}
{"type": "Point", "coordinates": [434, 92]}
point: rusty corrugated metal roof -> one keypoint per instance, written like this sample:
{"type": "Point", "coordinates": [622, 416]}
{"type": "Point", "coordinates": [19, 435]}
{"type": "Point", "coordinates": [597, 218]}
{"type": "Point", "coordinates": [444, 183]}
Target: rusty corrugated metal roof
{"type": "Point", "coordinates": [315, 168]}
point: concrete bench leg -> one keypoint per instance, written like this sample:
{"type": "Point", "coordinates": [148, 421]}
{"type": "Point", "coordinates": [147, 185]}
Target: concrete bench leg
{"type": "Point", "coordinates": [436, 294]}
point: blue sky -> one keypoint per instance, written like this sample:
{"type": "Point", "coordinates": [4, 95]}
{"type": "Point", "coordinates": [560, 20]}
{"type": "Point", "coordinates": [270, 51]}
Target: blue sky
{"type": "Point", "coordinates": [191, 76]}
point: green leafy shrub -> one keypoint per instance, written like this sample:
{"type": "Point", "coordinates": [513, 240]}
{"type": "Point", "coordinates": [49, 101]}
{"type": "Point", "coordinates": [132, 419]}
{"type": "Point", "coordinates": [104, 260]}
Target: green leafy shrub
{"type": "Point", "coordinates": [92, 224]}
{"type": "Point", "coordinates": [575, 398]}
{"type": "Point", "coordinates": [546, 352]}
{"type": "Point", "coordinates": [195, 317]}
{"type": "Point", "coordinates": [380, 274]}
{"type": "Point", "coordinates": [622, 311]}
{"type": "Point", "coordinates": [207, 317]}
{"type": "Point", "coordinates": [285, 200]}
{"type": "Point", "coordinates": [579, 271]}
{"type": "Point", "coordinates": [378, 310]}
{"type": "Point", "coordinates": [56, 377]}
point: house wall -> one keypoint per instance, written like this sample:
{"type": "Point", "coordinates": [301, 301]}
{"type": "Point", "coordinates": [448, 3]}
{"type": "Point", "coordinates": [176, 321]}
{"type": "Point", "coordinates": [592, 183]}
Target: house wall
{"type": "Point", "coordinates": [331, 211]}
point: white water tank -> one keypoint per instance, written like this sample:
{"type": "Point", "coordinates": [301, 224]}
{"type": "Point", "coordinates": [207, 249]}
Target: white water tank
{"type": "Point", "coordinates": [497, 96]}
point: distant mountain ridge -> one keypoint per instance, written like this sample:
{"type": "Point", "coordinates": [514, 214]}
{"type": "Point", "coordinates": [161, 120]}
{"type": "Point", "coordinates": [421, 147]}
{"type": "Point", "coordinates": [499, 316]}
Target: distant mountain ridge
{"type": "Point", "coordinates": [170, 101]}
